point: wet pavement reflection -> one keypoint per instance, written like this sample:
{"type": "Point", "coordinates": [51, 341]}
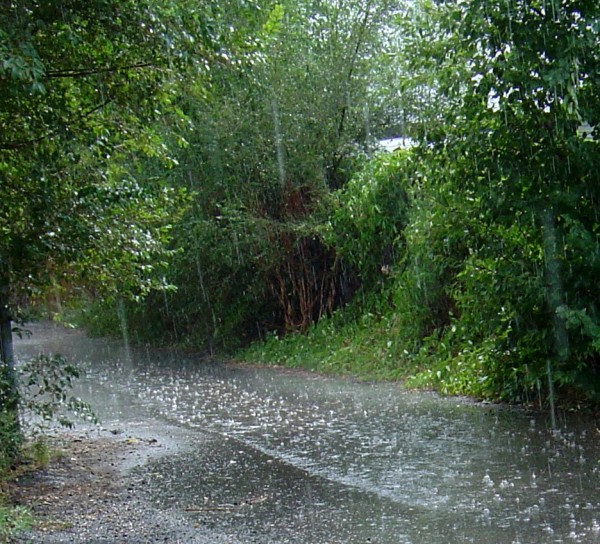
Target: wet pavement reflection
{"type": "Point", "coordinates": [294, 457]}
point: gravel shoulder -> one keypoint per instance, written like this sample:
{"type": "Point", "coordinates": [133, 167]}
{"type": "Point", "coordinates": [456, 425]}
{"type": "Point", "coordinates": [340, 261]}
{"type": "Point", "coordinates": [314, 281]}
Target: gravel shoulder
{"type": "Point", "coordinates": [93, 492]}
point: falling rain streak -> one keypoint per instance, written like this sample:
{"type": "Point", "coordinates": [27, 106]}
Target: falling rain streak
{"type": "Point", "coordinates": [278, 141]}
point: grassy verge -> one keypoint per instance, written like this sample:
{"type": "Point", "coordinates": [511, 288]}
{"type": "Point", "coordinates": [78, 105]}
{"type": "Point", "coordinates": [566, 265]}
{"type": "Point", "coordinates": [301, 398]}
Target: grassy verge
{"type": "Point", "coordinates": [13, 518]}
{"type": "Point", "coordinates": [365, 346]}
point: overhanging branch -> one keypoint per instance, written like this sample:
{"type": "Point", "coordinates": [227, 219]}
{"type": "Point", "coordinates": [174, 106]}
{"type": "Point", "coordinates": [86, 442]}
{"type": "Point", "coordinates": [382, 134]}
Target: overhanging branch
{"type": "Point", "coordinates": [84, 72]}
{"type": "Point", "coordinates": [18, 144]}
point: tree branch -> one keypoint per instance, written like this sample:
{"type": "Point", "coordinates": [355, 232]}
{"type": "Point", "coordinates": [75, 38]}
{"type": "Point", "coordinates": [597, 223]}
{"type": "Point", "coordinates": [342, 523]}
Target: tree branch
{"type": "Point", "coordinates": [352, 63]}
{"type": "Point", "coordinates": [81, 72]}
{"type": "Point", "coordinates": [25, 143]}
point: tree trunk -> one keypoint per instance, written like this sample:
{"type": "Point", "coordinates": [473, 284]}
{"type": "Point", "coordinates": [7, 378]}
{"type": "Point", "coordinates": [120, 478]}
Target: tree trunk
{"type": "Point", "coordinates": [554, 290]}
{"type": "Point", "coordinates": [8, 378]}
{"type": "Point", "coordinates": [554, 296]}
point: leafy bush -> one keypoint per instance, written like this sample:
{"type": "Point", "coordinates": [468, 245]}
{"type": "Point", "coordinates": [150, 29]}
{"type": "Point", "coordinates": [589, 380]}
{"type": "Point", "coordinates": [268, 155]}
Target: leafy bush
{"type": "Point", "coordinates": [44, 394]}
{"type": "Point", "coordinates": [13, 520]}
{"type": "Point", "coordinates": [46, 383]}
{"type": "Point", "coordinates": [369, 215]}
{"type": "Point", "coordinates": [10, 440]}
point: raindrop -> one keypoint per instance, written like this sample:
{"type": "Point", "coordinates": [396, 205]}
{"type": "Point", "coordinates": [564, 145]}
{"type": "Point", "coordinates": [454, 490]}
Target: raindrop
{"type": "Point", "coordinates": [504, 484]}
{"type": "Point", "coordinates": [278, 141]}
{"type": "Point", "coordinates": [236, 245]}
{"type": "Point", "coordinates": [122, 315]}
{"type": "Point", "coordinates": [201, 280]}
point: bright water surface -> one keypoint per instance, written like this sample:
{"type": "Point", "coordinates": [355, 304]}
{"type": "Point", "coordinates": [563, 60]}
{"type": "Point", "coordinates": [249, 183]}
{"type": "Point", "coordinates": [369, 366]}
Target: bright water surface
{"type": "Point", "coordinates": [286, 457]}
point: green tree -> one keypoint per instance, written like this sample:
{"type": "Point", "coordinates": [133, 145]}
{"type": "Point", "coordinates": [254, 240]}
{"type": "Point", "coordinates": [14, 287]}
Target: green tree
{"type": "Point", "coordinates": [513, 149]}
{"type": "Point", "coordinates": [286, 123]}
{"type": "Point", "coordinates": [83, 86]}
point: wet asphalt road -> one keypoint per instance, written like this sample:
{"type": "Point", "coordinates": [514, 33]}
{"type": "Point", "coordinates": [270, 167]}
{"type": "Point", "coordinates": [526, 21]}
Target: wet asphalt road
{"type": "Point", "coordinates": [278, 457]}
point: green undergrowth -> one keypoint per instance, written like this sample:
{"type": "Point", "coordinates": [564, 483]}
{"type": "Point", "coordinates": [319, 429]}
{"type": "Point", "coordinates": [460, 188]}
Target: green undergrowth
{"type": "Point", "coordinates": [363, 345]}
{"type": "Point", "coordinates": [14, 519]}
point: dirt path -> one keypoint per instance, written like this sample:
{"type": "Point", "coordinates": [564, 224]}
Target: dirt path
{"type": "Point", "coordinates": [91, 494]}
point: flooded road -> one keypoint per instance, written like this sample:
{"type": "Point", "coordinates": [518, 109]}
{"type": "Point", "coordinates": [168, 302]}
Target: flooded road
{"type": "Point", "coordinates": [286, 457]}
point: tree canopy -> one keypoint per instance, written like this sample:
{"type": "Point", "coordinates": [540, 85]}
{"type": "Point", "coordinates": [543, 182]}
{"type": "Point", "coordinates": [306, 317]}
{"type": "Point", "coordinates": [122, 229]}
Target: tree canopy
{"type": "Point", "coordinates": [515, 146]}
{"type": "Point", "coordinates": [236, 143]}
{"type": "Point", "coordinates": [83, 86]}
{"type": "Point", "coordinates": [491, 288]}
